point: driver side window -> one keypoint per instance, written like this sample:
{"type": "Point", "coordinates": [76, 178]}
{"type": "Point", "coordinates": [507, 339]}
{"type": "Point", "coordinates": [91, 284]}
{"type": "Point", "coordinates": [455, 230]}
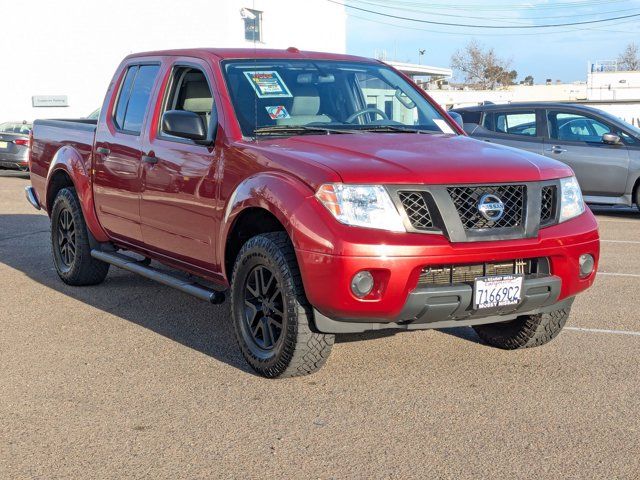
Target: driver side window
{"type": "Point", "coordinates": [383, 98]}
{"type": "Point", "coordinates": [573, 127]}
{"type": "Point", "coordinates": [190, 91]}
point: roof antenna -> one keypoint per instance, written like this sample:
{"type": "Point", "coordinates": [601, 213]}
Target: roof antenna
{"type": "Point", "coordinates": [255, 64]}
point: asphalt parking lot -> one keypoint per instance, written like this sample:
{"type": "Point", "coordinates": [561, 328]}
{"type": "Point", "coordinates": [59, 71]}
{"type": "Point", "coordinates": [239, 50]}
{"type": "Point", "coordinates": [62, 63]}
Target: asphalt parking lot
{"type": "Point", "coordinates": [131, 379]}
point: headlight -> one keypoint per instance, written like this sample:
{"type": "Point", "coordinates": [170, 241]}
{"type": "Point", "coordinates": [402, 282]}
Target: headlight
{"type": "Point", "coordinates": [571, 202]}
{"type": "Point", "coordinates": [361, 205]}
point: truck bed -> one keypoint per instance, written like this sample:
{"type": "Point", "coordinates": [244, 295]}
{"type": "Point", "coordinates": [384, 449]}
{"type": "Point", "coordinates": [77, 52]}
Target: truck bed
{"type": "Point", "coordinates": [49, 136]}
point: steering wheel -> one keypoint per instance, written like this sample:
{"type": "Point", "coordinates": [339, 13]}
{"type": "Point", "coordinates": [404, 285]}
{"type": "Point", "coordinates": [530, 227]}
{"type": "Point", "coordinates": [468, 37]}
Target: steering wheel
{"type": "Point", "coordinates": [366, 110]}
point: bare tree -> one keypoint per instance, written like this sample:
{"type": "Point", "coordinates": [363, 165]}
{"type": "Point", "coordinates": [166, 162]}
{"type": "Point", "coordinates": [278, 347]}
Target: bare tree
{"type": "Point", "coordinates": [481, 66]}
{"type": "Point", "coordinates": [629, 59]}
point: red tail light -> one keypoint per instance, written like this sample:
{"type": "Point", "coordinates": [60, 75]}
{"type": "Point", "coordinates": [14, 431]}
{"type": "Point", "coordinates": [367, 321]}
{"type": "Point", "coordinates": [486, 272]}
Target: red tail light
{"type": "Point", "coordinates": [22, 141]}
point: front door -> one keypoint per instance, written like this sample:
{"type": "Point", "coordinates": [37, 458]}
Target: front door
{"type": "Point", "coordinates": [575, 138]}
{"type": "Point", "coordinates": [117, 155]}
{"type": "Point", "coordinates": [178, 208]}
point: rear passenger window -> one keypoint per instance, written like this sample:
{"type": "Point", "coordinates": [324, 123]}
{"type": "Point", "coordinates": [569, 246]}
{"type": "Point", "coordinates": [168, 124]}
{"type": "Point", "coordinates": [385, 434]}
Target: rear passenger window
{"type": "Point", "coordinates": [134, 97]}
{"type": "Point", "coordinates": [123, 97]}
{"type": "Point", "coordinates": [514, 123]}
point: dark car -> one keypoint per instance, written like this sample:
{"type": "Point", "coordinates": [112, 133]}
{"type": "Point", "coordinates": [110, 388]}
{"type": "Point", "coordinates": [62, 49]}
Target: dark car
{"type": "Point", "coordinates": [602, 150]}
{"type": "Point", "coordinates": [14, 145]}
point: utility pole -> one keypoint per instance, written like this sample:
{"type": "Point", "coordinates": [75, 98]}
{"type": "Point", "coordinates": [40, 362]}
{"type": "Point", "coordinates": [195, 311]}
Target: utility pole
{"type": "Point", "coordinates": [421, 52]}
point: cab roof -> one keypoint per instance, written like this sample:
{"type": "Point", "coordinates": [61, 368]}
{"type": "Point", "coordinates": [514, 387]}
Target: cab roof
{"type": "Point", "coordinates": [290, 53]}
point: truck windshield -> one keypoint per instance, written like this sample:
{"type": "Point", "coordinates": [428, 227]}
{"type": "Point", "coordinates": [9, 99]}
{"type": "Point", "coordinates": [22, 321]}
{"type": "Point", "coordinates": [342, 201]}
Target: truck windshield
{"type": "Point", "coordinates": [279, 96]}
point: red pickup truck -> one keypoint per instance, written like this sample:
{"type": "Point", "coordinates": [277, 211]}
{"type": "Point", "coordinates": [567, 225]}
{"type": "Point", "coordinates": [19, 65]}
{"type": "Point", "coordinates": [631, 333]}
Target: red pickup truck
{"type": "Point", "coordinates": [327, 193]}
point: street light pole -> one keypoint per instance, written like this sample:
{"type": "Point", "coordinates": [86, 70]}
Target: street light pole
{"type": "Point", "coordinates": [421, 52]}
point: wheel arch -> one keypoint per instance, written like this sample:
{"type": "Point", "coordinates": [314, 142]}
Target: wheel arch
{"type": "Point", "coordinates": [68, 169]}
{"type": "Point", "coordinates": [260, 204]}
{"type": "Point", "coordinates": [635, 191]}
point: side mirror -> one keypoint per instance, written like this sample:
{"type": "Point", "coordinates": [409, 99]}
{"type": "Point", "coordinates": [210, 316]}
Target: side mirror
{"type": "Point", "coordinates": [610, 139]}
{"type": "Point", "coordinates": [184, 124]}
{"type": "Point", "coordinates": [457, 117]}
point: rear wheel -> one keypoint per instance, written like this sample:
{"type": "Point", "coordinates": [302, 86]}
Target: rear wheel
{"type": "Point", "coordinates": [271, 315]}
{"type": "Point", "coordinates": [70, 243]}
{"type": "Point", "coordinates": [525, 331]}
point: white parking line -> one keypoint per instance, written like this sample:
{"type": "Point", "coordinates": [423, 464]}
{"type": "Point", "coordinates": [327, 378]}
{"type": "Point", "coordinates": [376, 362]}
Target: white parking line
{"type": "Point", "coordinates": [616, 221]}
{"type": "Point", "coordinates": [621, 241]}
{"type": "Point", "coordinates": [600, 330]}
{"type": "Point", "coordinates": [613, 274]}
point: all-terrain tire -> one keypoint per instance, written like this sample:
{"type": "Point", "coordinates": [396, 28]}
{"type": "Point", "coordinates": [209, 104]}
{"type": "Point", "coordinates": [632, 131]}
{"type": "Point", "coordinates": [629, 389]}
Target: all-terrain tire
{"type": "Point", "coordinates": [70, 242]}
{"type": "Point", "coordinates": [298, 350]}
{"type": "Point", "coordinates": [525, 331]}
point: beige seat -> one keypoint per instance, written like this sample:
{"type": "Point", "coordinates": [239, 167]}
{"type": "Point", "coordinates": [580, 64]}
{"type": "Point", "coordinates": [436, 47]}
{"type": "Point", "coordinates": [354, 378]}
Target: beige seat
{"type": "Point", "coordinates": [198, 99]}
{"type": "Point", "coordinates": [305, 108]}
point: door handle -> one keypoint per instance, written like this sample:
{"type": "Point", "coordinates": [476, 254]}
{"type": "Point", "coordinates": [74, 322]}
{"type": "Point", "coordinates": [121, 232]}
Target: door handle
{"type": "Point", "coordinates": [150, 159]}
{"type": "Point", "coordinates": [557, 149]}
{"type": "Point", "coordinates": [103, 151]}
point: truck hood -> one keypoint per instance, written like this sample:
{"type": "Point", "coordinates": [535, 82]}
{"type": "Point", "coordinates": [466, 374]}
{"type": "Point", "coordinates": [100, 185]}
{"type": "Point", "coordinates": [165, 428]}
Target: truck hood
{"type": "Point", "coordinates": [389, 158]}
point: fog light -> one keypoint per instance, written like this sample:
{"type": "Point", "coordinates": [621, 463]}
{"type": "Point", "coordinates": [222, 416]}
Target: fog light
{"type": "Point", "coordinates": [362, 284]}
{"type": "Point", "coordinates": [586, 264]}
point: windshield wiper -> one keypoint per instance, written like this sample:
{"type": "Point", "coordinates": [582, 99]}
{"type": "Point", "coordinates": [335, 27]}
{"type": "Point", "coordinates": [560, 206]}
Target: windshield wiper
{"type": "Point", "coordinates": [298, 129]}
{"type": "Point", "coordinates": [391, 128]}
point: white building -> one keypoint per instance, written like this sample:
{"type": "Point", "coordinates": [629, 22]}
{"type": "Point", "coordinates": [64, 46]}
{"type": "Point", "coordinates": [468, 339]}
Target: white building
{"type": "Point", "coordinates": [65, 52]}
{"type": "Point", "coordinates": [607, 81]}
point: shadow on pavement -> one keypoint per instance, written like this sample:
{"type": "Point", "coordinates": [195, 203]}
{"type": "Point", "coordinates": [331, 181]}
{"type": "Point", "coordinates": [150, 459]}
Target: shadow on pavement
{"type": "Point", "coordinates": [24, 246]}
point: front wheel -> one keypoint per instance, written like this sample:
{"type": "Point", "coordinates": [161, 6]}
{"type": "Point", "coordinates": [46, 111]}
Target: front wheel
{"type": "Point", "coordinates": [270, 312]}
{"type": "Point", "coordinates": [525, 331]}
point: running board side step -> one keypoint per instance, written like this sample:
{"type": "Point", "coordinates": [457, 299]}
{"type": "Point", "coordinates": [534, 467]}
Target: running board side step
{"type": "Point", "coordinates": [184, 285]}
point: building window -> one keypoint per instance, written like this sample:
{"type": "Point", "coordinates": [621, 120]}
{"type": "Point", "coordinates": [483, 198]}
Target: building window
{"type": "Point", "coordinates": [252, 24]}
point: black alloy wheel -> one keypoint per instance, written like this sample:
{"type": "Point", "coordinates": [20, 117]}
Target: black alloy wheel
{"type": "Point", "coordinates": [263, 311]}
{"type": "Point", "coordinates": [66, 235]}
{"type": "Point", "coordinates": [272, 318]}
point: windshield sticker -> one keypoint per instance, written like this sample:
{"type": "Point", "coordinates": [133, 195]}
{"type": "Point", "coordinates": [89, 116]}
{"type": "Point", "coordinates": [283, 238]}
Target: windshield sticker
{"type": "Point", "coordinates": [267, 84]}
{"type": "Point", "coordinates": [443, 126]}
{"type": "Point", "coordinates": [277, 112]}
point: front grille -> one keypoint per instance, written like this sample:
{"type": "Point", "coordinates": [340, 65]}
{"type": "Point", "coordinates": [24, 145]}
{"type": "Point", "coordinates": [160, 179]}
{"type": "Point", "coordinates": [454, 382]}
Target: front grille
{"type": "Point", "coordinates": [548, 207]}
{"type": "Point", "coordinates": [417, 210]}
{"type": "Point", "coordinates": [466, 200]}
{"type": "Point", "coordinates": [451, 274]}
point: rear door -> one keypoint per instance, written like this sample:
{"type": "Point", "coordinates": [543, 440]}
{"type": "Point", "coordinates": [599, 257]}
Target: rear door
{"type": "Point", "coordinates": [179, 213]}
{"type": "Point", "coordinates": [575, 138]}
{"type": "Point", "coordinates": [118, 151]}
{"type": "Point", "coordinates": [514, 128]}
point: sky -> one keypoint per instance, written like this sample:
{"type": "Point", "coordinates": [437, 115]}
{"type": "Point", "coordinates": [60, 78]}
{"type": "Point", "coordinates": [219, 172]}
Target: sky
{"type": "Point", "coordinates": [559, 53]}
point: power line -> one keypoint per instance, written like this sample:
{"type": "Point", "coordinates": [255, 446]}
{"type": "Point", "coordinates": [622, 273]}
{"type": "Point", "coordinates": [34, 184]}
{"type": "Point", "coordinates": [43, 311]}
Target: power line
{"type": "Point", "coordinates": [475, 7]}
{"type": "Point", "coordinates": [492, 18]}
{"type": "Point", "coordinates": [465, 25]}
{"type": "Point", "coordinates": [496, 34]}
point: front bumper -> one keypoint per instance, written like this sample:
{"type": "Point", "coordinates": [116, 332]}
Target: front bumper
{"type": "Point", "coordinates": [451, 306]}
{"type": "Point", "coordinates": [402, 304]}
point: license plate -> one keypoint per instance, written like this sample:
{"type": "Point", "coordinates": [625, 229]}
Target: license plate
{"type": "Point", "coordinates": [4, 144]}
{"type": "Point", "coordinates": [497, 291]}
